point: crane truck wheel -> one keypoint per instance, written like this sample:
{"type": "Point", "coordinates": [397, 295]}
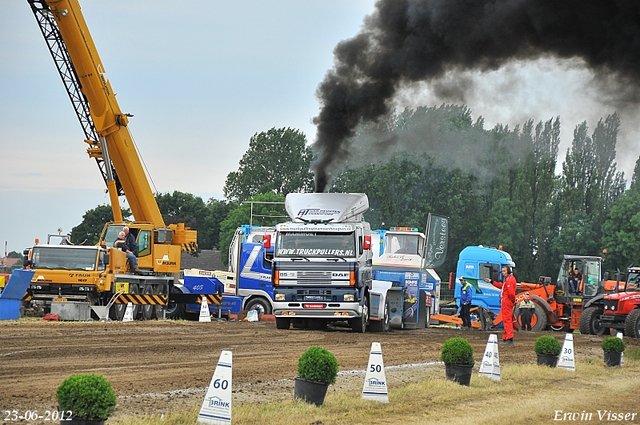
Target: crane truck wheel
{"type": "Point", "coordinates": [148, 311]}
{"type": "Point", "coordinates": [160, 289]}
{"type": "Point", "coordinates": [263, 306]}
{"type": "Point", "coordinates": [359, 324]}
{"type": "Point", "coordinates": [381, 325]}
{"type": "Point", "coordinates": [175, 311]}
{"type": "Point", "coordinates": [632, 324]}
{"type": "Point", "coordinates": [590, 321]}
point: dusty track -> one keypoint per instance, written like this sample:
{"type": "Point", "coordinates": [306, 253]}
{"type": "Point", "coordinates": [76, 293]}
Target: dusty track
{"type": "Point", "coordinates": [158, 366]}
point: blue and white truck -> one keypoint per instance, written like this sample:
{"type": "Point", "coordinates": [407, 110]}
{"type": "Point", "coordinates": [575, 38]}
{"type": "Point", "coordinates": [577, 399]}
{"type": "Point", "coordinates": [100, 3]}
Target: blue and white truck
{"type": "Point", "coordinates": [403, 285]}
{"type": "Point", "coordinates": [476, 263]}
{"type": "Point", "coordinates": [246, 285]}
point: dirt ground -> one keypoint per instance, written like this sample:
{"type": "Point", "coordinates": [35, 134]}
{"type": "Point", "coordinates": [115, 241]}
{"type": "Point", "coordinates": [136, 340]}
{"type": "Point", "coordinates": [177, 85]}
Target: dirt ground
{"type": "Point", "coordinates": [159, 367]}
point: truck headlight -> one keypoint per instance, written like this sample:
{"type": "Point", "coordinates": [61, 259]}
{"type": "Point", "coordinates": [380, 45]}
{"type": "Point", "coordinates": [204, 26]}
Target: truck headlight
{"type": "Point", "coordinates": [279, 297]}
{"type": "Point", "coordinates": [348, 297]}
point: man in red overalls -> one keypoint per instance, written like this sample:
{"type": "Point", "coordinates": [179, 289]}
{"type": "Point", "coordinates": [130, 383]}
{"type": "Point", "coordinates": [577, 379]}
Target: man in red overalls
{"type": "Point", "coordinates": [507, 300]}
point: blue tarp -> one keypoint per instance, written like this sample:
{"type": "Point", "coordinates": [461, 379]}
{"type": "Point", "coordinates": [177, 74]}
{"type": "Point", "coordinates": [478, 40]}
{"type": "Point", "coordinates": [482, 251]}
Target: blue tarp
{"type": "Point", "coordinates": [13, 292]}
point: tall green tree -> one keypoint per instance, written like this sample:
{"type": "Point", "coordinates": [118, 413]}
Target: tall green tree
{"type": "Point", "coordinates": [277, 161]}
{"type": "Point", "coordinates": [621, 232]}
{"type": "Point", "coordinates": [267, 210]}
{"type": "Point", "coordinates": [180, 207]}
{"type": "Point", "coordinates": [89, 230]}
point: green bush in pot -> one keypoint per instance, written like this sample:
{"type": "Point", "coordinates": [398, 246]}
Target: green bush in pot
{"type": "Point", "coordinates": [87, 396]}
{"type": "Point", "coordinates": [457, 351]}
{"type": "Point", "coordinates": [613, 344]}
{"type": "Point", "coordinates": [547, 346]}
{"type": "Point", "coordinates": [318, 364]}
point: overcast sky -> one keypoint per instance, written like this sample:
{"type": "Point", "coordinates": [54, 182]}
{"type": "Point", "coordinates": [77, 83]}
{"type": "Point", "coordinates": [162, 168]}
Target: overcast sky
{"type": "Point", "coordinates": [201, 78]}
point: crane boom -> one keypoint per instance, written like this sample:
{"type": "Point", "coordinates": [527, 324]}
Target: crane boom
{"type": "Point", "coordinates": [104, 124]}
{"type": "Point", "coordinates": [110, 123]}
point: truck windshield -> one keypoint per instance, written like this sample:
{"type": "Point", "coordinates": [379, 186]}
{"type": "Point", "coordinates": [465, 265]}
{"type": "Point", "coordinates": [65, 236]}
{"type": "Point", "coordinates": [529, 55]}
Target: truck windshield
{"type": "Point", "coordinates": [633, 280]}
{"type": "Point", "coordinates": [111, 235]}
{"type": "Point", "coordinates": [320, 244]}
{"type": "Point", "coordinates": [402, 244]}
{"type": "Point", "coordinates": [71, 258]}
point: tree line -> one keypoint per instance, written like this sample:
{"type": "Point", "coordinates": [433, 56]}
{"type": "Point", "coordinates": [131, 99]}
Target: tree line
{"type": "Point", "coordinates": [499, 187]}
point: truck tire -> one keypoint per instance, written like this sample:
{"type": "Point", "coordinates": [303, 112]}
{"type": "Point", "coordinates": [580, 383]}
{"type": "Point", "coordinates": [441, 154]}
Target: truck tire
{"type": "Point", "coordinates": [382, 325]}
{"type": "Point", "coordinates": [283, 322]}
{"type": "Point", "coordinates": [590, 321]}
{"type": "Point", "coordinates": [175, 311]}
{"type": "Point", "coordinates": [359, 324]}
{"type": "Point", "coordinates": [148, 311]}
{"type": "Point", "coordinates": [135, 289]}
{"type": "Point", "coordinates": [632, 324]}
{"type": "Point", "coordinates": [263, 306]}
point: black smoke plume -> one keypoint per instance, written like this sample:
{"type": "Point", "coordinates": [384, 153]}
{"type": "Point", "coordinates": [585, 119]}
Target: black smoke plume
{"type": "Point", "coordinates": [407, 41]}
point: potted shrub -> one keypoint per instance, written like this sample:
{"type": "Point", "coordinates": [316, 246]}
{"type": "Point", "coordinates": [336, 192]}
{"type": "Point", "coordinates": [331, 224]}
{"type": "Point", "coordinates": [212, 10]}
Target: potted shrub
{"type": "Point", "coordinates": [613, 348]}
{"type": "Point", "coordinates": [89, 398]}
{"type": "Point", "coordinates": [457, 355]}
{"type": "Point", "coordinates": [317, 369]}
{"type": "Point", "coordinates": [548, 349]}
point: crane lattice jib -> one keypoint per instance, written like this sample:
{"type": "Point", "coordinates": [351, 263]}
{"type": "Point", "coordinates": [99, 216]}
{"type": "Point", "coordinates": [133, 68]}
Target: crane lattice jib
{"type": "Point", "coordinates": [57, 48]}
{"type": "Point", "coordinates": [109, 121]}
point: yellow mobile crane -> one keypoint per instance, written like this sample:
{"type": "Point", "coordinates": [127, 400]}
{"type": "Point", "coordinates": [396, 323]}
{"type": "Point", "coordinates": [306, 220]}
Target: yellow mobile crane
{"type": "Point", "coordinates": [96, 273]}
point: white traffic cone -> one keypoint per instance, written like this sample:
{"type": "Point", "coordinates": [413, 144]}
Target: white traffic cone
{"type": "Point", "coordinates": [619, 335]}
{"type": "Point", "coordinates": [205, 315]}
{"type": "Point", "coordinates": [128, 313]}
{"type": "Point", "coordinates": [490, 366]}
{"type": "Point", "coordinates": [216, 407]}
{"type": "Point", "coordinates": [375, 382]}
{"type": "Point", "coordinates": [567, 357]}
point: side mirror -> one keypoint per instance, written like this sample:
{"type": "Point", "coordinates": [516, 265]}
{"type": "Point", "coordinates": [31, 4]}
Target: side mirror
{"type": "Point", "coordinates": [107, 259]}
{"type": "Point", "coordinates": [266, 242]}
{"type": "Point", "coordinates": [367, 242]}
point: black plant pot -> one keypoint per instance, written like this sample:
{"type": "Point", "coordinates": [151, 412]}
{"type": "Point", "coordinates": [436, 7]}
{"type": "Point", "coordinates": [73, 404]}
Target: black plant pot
{"type": "Point", "coordinates": [547, 360]}
{"type": "Point", "coordinates": [310, 391]}
{"type": "Point", "coordinates": [460, 373]}
{"type": "Point", "coordinates": [612, 358]}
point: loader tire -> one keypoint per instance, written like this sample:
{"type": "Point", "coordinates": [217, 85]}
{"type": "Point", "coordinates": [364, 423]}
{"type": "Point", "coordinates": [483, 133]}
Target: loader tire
{"type": "Point", "coordinates": [538, 319]}
{"type": "Point", "coordinates": [590, 323]}
{"type": "Point", "coordinates": [632, 324]}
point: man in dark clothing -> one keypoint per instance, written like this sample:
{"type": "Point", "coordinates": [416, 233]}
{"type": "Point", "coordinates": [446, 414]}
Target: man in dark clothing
{"type": "Point", "coordinates": [575, 279]}
{"type": "Point", "coordinates": [527, 308]}
{"type": "Point", "coordinates": [466, 295]}
{"type": "Point", "coordinates": [131, 248]}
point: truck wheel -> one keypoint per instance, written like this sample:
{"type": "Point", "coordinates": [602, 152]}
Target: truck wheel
{"type": "Point", "coordinates": [283, 322]}
{"type": "Point", "coordinates": [590, 323]}
{"type": "Point", "coordinates": [148, 311]}
{"type": "Point", "coordinates": [381, 325]}
{"type": "Point", "coordinates": [259, 304]}
{"type": "Point", "coordinates": [134, 289]}
{"type": "Point", "coordinates": [359, 324]}
{"type": "Point", "coordinates": [632, 324]}
{"type": "Point", "coordinates": [175, 311]}
{"type": "Point", "coordinates": [160, 290]}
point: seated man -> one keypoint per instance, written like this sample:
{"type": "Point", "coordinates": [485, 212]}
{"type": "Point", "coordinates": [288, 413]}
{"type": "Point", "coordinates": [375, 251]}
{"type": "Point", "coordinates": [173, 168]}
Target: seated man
{"type": "Point", "coordinates": [574, 280]}
{"type": "Point", "coordinates": [121, 243]}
